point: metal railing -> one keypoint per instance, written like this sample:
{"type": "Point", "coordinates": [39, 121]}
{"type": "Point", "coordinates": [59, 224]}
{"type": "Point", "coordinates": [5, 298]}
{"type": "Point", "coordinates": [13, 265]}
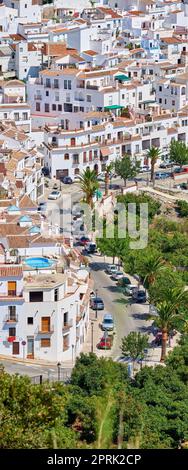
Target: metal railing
{"type": "Point", "coordinates": [11, 318]}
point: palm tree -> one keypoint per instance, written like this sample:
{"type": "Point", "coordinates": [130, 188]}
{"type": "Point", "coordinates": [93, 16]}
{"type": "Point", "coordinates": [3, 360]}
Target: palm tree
{"type": "Point", "coordinates": [107, 177]}
{"type": "Point", "coordinates": [153, 154]}
{"type": "Point", "coordinates": [89, 184]}
{"type": "Point", "coordinates": [152, 266]}
{"type": "Point", "coordinates": [169, 314]}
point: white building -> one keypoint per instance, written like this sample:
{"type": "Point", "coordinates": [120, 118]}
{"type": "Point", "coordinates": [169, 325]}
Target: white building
{"type": "Point", "coordinates": [43, 316]}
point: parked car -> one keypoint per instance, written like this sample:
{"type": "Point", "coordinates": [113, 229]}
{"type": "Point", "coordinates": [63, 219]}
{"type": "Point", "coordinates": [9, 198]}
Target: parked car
{"type": "Point", "coordinates": [130, 288]}
{"type": "Point", "coordinates": [42, 207]}
{"type": "Point", "coordinates": [166, 164]}
{"type": "Point", "coordinates": [97, 303]}
{"type": "Point", "coordinates": [117, 275]}
{"type": "Point", "coordinates": [84, 240]}
{"type": "Point", "coordinates": [108, 322]}
{"type": "Point", "coordinates": [54, 195]}
{"type": "Point", "coordinates": [111, 269]}
{"type": "Point", "coordinates": [91, 248]}
{"type": "Point", "coordinates": [45, 171]}
{"type": "Point", "coordinates": [105, 342]}
{"type": "Point", "coordinates": [123, 281]}
{"type": "Point", "coordinates": [139, 296]}
{"type": "Point", "coordinates": [66, 180]}
{"type": "Point", "coordinates": [144, 169]}
{"type": "Point", "coordinates": [162, 176]}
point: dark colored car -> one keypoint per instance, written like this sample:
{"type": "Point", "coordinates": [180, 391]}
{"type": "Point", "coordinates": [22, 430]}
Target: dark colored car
{"type": "Point", "coordinates": [45, 171]}
{"type": "Point", "coordinates": [124, 281]}
{"type": "Point", "coordinates": [91, 248]}
{"type": "Point", "coordinates": [84, 240]}
{"type": "Point", "coordinates": [139, 296]}
{"type": "Point", "coordinates": [66, 180]}
{"type": "Point", "coordinates": [97, 303]}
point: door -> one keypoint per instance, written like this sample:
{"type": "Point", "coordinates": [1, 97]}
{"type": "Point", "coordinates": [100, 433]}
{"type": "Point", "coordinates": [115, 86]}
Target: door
{"type": "Point", "coordinates": [11, 288]}
{"type": "Point", "coordinates": [45, 324]}
{"type": "Point", "coordinates": [15, 348]}
{"type": "Point", "coordinates": [30, 347]}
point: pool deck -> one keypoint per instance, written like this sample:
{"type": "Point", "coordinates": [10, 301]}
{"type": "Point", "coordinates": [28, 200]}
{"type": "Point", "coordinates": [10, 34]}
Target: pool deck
{"type": "Point", "coordinates": [44, 280]}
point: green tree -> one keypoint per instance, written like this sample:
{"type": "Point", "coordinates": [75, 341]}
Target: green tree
{"type": "Point", "coordinates": [89, 184]}
{"type": "Point", "coordinates": [133, 345]}
{"type": "Point", "coordinates": [126, 168]}
{"type": "Point", "coordinates": [153, 155]}
{"type": "Point", "coordinates": [182, 207]}
{"type": "Point", "coordinates": [151, 266]}
{"type": "Point", "coordinates": [108, 169]}
{"type": "Point", "coordinates": [168, 316]}
{"type": "Point", "coordinates": [179, 153]}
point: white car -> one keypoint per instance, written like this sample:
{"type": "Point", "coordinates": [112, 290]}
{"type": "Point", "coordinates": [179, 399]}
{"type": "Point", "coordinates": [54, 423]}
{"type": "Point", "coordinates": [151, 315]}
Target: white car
{"type": "Point", "coordinates": [118, 275]}
{"type": "Point", "coordinates": [54, 195]}
{"type": "Point", "coordinates": [112, 269]}
{"type": "Point", "coordinates": [130, 288]}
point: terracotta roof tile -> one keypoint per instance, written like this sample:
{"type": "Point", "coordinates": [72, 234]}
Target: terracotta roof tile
{"type": "Point", "coordinates": [10, 271]}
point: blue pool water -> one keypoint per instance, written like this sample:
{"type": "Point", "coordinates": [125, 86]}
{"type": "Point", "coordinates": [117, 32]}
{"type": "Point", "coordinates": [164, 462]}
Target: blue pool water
{"type": "Point", "coordinates": [38, 263]}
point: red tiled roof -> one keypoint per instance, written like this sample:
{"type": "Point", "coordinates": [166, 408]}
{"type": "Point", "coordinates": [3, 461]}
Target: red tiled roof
{"type": "Point", "coordinates": [10, 271]}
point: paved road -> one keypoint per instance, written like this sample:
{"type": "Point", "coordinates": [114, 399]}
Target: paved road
{"type": "Point", "coordinates": [127, 317]}
{"type": "Point", "coordinates": [34, 370]}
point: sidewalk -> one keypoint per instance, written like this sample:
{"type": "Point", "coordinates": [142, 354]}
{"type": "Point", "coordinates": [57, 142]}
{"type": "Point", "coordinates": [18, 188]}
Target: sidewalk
{"type": "Point", "coordinates": [40, 362]}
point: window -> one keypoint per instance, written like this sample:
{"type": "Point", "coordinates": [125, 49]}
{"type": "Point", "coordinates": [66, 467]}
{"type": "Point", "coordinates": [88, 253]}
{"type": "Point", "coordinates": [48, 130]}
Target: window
{"type": "Point", "coordinates": [56, 83]}
{"type": "Point", "coordinates": [68, 107]}
{"type": "Point", "coordinates": [25, 5]}
{"type": "Point", "coordinates": [45, 343]}
{"type": "Point", "coordinates": [56, 96]}
{"type": "Point", "coordinates": [160, 88]}
{"type": "Point", "coordinates": [90, 155]}
{"type": "Point", "coordinates": [137, 148]}
{"type": "Point", "coordinates": [16, 116]}
{"type": "Point", "coordinates": [36, 296]}
{"type": "Point", "coordinates": [12, 331]}
{"type": "Point", "coordinates": [81, 109]}
{"type": "Point", "coordinates": [47, 93]}
{"type": "Point", "coordinates": [66, 156]}
{"type": "Point", "coordinates": [30, 320]}
{"type": "Point", "coordinates": [37, 106]}
{"type": "Point", "coordinates": [123, 97]}
{"type": "Point", "coordinates": [140, 96]}
{"type": "Point", "coordinates": [46, 108]}
{"type": "Point", "coordinates": [65, 342]}
{"type": "Point", "coordinates": [12, 312]}
{"type": "Point", "coordinates": [5, 115]}
{"type": "Point", "coordinates": [85, 157]}
{"type": "Point", "coordinates": [67, 85]}
{"type": "Point", "coordinates": [165, 100]}
{"type": "Point", "coordinates": [54, 107]}
{"type": "Point", "coordinates": [173, 102]}
{"type": "Point", "coordinates": [89, 98]}
{"type": "Point", "coordinates": [56, 295]}
{"type": "Point", "coordinates": [25, 116]}
{"type": "Point", "coordinates": [48, 83]}
{"type": "Point", "coordinates": [76, 159]}
{"type": "Point", "coordinates": [59, 107]}
{"type": "Point", "coordinates": [160, 100]}
{"type": "Point", "coordinates": [45, 324]}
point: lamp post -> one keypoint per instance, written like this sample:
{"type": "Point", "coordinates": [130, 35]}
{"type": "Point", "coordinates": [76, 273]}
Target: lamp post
{"type": "Point", "coordinates": [72, 354]}
{"type": "Point", "coordinates": [58, 371]}
{"type": "Point", "coordinates": [92, 324]}
{"type": "Point", "coordinates": [96, 311]}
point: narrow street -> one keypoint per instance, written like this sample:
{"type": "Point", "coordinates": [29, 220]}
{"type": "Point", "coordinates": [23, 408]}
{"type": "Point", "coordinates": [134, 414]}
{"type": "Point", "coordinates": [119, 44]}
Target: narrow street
{"type": "Point", "coordinates": [127, 317]}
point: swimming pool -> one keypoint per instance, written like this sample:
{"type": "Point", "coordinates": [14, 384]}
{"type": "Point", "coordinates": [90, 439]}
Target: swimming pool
{"type": "Point", "coordinates": [39, 263]}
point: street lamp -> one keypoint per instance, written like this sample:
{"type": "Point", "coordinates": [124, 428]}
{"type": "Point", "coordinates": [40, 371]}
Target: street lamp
{"type": "Point", "coordinates": [96, 311]}
{"type": "Point", "coordinates": [58, 371]}
{"type": "Point", "coordinates": [72, 354]}
{"type": "Point", "coordinates": [92, 325]}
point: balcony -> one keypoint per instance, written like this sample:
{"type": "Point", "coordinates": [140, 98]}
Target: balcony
{"type": "Point", "coordinates": [41, 331]}
{"type": "Point", "coordinates": [11, 319]}
{"type": "Point", "coordinates": [38, 97]}
{"type": "Point", "coordinates": [67, 325]}
{"type": "Point", "coordinates": [10, 339]}
{"type": "Point", "coordinates": [92, 87]}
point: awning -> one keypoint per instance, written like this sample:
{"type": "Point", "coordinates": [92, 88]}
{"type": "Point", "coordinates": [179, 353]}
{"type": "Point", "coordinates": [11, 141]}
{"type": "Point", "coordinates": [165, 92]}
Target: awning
{"type": "Point", "coordinates": [122, 78]}
{"type": "Point", "coordinates": [113, 106]}
{"type": "Point", "coordinates": [105, 152]}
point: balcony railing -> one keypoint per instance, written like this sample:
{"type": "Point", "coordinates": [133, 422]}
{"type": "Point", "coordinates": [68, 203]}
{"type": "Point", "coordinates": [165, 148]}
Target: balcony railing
{"type": "Point", "coordinates": [47, 331]}
{"type": "Point", "coordinates": [11, 319]}
{"type": "Point", "coordinates": [92, 87]}
{"type": "Point", "coordinates": [38, 97]}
